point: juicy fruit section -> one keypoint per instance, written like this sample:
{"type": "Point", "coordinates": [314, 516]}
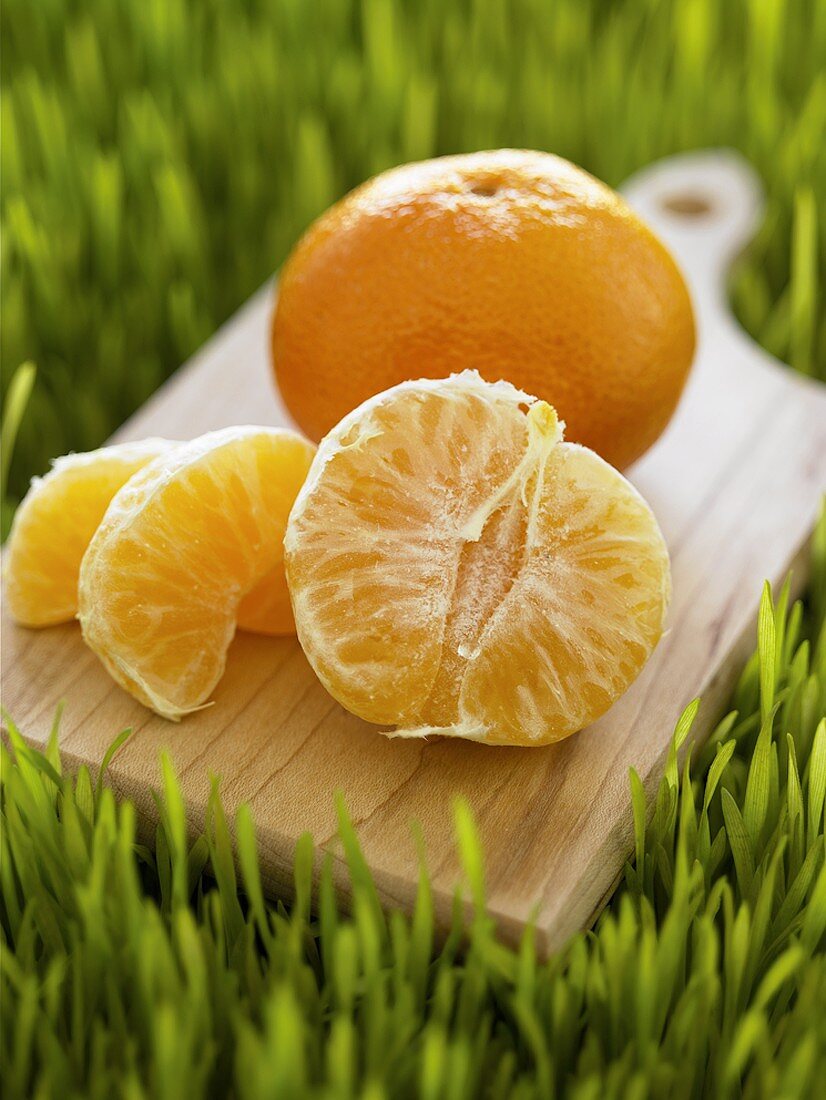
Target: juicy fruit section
{"type": "Point", "coordinates": [456, 568]}
{"type": "Point", "coordinates": [161, 549]}
{"type": "Point", "coordinates": [55, 522]}
{"type": "Point", "coordinates": [516, 263]}
{"type": "Point", "coordinates": [179, 547]}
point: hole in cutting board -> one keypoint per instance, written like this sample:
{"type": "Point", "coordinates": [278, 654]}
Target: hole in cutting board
{"type": "Point", "coordinates": [688, 205]}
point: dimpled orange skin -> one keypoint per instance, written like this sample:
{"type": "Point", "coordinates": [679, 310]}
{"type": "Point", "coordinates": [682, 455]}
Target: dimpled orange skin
{"type": "Point", "coordinates": [516, 263]}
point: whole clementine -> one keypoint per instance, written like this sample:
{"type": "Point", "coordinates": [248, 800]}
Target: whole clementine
{"type": "Point", "coordinates": [515, 263]}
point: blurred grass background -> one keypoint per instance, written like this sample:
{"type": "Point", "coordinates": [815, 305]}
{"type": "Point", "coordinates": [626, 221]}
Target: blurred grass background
{"type": "Point", "coordinates": [160, 157]}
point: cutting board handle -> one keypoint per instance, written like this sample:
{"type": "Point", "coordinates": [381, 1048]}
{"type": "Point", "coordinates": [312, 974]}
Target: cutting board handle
{"type": "Point", "coordinates": [706, 207]}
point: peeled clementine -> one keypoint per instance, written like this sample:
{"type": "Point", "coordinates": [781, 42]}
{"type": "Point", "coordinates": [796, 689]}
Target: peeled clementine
{"type": "Point", "coordinates": [516, 263]}
{"type": "Point", "coordinates": [456, 568]}
{"type": "Point", "coordinates": [58, 517]}
{"type": "Point", "coordinates": [188, 542]}
{"type": "Point", "coordinates": [54, 523]}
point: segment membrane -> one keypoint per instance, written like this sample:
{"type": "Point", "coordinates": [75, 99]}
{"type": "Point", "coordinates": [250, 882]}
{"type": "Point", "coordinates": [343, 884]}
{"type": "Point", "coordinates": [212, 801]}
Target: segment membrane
{"type": "Point", "coordinates": [178, 548]}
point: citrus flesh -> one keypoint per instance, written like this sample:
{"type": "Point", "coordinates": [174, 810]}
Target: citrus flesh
{"type": "Point", "coordinates": [180, 547]}
{"type": "Point", "coordinates": [517, 263]}
{"type": "Point", "coordinates": [55, 522]}
{"type": "Point", "coordinates": [456, 568]}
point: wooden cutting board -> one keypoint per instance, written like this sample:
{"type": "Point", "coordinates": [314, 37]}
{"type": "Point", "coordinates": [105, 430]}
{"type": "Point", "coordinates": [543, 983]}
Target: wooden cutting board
{"type": "Point", "coordinates": [735, 482]}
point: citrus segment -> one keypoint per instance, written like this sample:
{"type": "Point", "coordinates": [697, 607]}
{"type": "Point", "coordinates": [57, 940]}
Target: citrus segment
{"type": "Point", "coordinates": [456, 568]}
{"type": "Point", "coordinates": [267, 609]}
{"type": "Point", "coordinates": [179, 548]}
{"type": "Point", "coordinates": [54, 523]}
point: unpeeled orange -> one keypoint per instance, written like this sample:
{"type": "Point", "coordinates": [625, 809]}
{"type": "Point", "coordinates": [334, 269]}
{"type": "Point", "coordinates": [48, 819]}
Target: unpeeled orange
{"type": "Point", "coordinates": [516, 263]}
{"type": "Point", "coordinates": [456, 568]}
{"type": "Point", "coordinates": [180, 547]}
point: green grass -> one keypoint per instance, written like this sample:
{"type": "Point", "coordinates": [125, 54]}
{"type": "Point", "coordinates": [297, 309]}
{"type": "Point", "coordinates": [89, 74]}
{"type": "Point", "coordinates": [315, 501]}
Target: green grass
{"type": "Point", "coordinates": [130, 972]}
{"type": "Point", "coordinates": [161, 156]}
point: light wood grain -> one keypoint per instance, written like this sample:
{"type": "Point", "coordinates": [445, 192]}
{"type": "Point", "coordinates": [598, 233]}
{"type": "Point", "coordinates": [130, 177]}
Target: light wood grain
{"type": "Point", "coordinates": [735, 482]}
